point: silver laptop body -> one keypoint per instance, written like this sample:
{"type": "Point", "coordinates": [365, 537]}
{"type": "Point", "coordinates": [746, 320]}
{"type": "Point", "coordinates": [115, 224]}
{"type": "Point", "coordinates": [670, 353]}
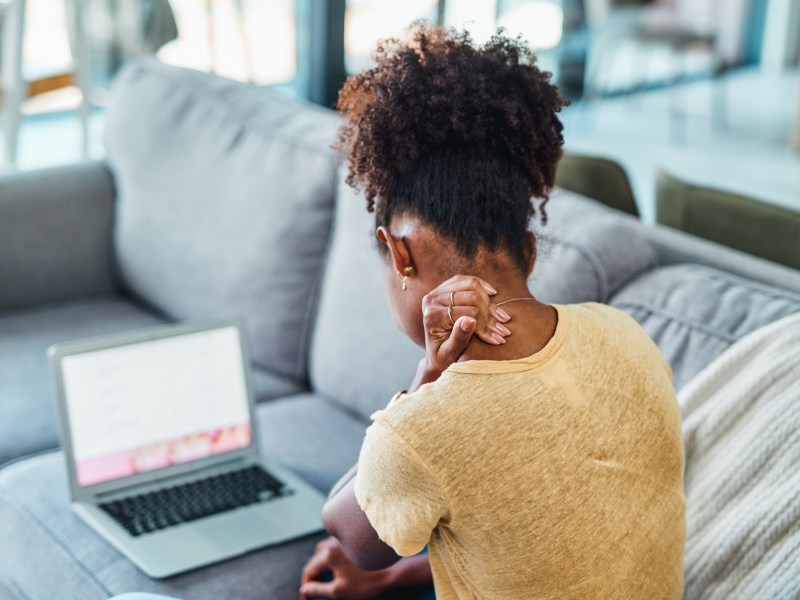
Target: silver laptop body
{"type": "Point", "coordinates": [160, 407]}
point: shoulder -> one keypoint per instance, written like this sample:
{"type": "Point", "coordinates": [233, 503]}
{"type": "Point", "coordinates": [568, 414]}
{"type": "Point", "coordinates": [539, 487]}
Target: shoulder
{"type": "Point", "coordinates": [409, 410]}
{"type": "Point", "coordinates": [423, 417]}
{"type": "Point", "coordinates": [592, 318]}
{"type": "Point", "coordinates": [597, 314]}
{"type": "Point", "coordinates": [601, 326]}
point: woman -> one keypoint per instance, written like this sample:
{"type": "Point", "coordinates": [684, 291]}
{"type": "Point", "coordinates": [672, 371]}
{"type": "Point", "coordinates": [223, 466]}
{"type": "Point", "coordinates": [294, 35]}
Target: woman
{"type": "Point", "coordinates": [537, 453]}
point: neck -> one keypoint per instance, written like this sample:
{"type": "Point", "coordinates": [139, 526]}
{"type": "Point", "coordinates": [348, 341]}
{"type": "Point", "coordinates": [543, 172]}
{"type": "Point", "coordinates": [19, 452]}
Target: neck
{"type": "Point", "coordinates": [532, 325]}
{"type": "Point", "coordinates": [509, 289]}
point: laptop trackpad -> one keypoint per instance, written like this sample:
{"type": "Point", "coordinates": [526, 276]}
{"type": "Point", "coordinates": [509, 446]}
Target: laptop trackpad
{"type": "Point", "coordinates": [237, 529]}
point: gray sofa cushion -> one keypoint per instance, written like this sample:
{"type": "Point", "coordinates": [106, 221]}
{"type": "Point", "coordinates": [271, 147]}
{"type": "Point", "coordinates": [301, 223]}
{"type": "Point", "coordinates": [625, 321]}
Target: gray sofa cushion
{"type": "Point", "coordinates": [695, 313]}
{"type": "Point", "coordinates": [587, 251]}
{"type": "Point", "coordinates": [73, 562]}
{"type": "Point", "coordinates": [28, 421]}
{"type": "Point", "coordinates": [360, 359]}
{"type": "Point", "coordinates": [225, 195]}
{"type": "Point", "coordinates": [310, 436]}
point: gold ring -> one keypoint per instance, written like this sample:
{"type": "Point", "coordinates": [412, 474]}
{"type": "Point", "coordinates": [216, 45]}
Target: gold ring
{"type": "Point", "coordinates": [450, 314]}
{"type": "Point", "coordinates": [452, 299]}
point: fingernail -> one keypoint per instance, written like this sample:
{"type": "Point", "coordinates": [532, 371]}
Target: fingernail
{"type": "Point", "coordinates": [498, 338]}
{"type": "Point", "coordinates": [467, 324]}
{"type": "Point", "coordinates": [489, 289]}
{"type": "Point", "coordinates": [503, 315]}
{"type": "Point", "coordinates": [503, 329]}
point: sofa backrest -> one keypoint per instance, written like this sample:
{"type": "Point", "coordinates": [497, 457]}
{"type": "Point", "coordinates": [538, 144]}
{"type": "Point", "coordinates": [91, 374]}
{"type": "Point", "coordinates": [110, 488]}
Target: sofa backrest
{"type": "Point", "coordinates": [695, 312]}
{"type": "Point", "coordinates": [225, 199]}
{"type": "Point", "coordinates": [359, 359]}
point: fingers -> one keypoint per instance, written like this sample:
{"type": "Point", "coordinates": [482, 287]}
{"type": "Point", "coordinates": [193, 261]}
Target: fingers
{"type": "Point", "coordinates": [470, 279]}
{"type": "Point", "coordinates": [315, 567]}
{"type": "Point", "coordinates": [465, 296]}
{"type": "Point", "coordinates": [489, 330]}
{"type": "Point", "coordinates": [473, 298]}
{"type": "Point", "coordinates": [454, 346]}
{"type": "Point", "coordinates": [491, 316]}
{"type": "Point", "coordinates": [324, 558]}
{"type": "Point", "coordinates": [470, 303]}
{"type": "Point", "coordinates": [318, 589]}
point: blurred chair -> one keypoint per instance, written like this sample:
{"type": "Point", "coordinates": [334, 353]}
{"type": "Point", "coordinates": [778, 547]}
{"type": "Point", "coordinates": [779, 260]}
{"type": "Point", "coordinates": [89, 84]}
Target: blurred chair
{"type": "Point", "coordinates": [16, 90]}
{"type": "Point", "coordinates": [598, 178]}
{"type": "Point", "coordinates": [682, 28]}
{"type": "Point", "coordinates": [733, 220]}
{"type": "Point", "coordinates": [138, 28]}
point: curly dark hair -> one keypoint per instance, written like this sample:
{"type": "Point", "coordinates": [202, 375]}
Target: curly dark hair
{"type": "Point", "coordinates": [463, 136]}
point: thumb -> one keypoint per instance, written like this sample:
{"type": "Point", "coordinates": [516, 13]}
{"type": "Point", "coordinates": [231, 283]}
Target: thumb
{"type": "Point", "coordinates": [317, 589]}
{"type": "Point", "coordinates": [460, 336]}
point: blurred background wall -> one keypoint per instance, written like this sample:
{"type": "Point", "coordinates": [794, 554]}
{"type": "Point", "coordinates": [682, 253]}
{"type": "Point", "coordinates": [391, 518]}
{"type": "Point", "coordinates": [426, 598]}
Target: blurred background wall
{"type": "Point", "coordinates": [707, 89]}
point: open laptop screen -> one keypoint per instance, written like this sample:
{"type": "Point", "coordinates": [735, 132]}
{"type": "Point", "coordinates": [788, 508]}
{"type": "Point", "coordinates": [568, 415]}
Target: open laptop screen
{"type": "Point", "coordinates": [152, 404]}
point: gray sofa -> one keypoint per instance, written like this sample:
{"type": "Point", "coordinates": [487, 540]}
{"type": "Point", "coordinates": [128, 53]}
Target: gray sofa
{"type": "Point", "coordinates": [220, 198]}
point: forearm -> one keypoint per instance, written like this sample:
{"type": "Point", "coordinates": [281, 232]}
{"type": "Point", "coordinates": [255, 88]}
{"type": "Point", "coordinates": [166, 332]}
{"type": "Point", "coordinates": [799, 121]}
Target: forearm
{"type": "Point", "coordinates": [411, 571]}
{"type": "Point", "coordinates": [425, 374]}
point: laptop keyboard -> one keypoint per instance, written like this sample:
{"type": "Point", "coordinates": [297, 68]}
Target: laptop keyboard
{"type": "Point", "coordinates": [145, 513]}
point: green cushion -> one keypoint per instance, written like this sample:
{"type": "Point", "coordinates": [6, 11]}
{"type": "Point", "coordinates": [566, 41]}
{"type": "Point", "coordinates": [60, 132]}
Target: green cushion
{"type": "Point", "coordinates": [739, 222]}
{"type": "Point", "coordinates": [597, 178]}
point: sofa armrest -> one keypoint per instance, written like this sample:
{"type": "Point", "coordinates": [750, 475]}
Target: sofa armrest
{"type": "Point", "coordinates": [56, 234]}
{"type": "Point", "coordinates": [673, 246]}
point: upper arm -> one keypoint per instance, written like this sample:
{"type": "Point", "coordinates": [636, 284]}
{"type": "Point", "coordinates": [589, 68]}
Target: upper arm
{"type": "Point", "coordinates": [391, 507]}
{"type": "Point", "coordinates": [397, 491]}
{"type": "Point", "coordinates": [345, 520]}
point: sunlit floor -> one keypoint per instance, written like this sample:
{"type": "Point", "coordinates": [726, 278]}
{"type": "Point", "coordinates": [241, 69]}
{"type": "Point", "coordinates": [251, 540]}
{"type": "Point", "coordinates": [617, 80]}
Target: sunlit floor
{"type": "Point", "coordinates": [749, 154]}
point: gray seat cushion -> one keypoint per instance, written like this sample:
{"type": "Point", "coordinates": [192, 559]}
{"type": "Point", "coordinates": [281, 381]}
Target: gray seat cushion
{"type": "Point", "coordinates": [310, 436]}
{"type": "Point", "coordinates": [695, 313]}
{"type": "Point", "coordinates": [225, 197]}
{"type": "Point", "coordinates": [580, 259]}
{"type": "Point", "coordinates": [73, 562]}
{"type": "Point", "coordinates": [28, 421]}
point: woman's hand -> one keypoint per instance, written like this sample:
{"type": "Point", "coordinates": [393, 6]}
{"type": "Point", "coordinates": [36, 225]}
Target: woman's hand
{"type": "Point", "coordinates": [348, 582]}
{"type": "Point", "coordinates": [452, 313]}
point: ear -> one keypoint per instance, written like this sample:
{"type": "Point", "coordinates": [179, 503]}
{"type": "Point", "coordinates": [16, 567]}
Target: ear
{"type": "Point", "coordinates": [398, 250]}
{"type": "Point", "coordinates": [530, 251]}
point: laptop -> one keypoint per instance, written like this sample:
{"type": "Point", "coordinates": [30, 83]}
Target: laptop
{"type": "Point", "coordinates": [162, 448]}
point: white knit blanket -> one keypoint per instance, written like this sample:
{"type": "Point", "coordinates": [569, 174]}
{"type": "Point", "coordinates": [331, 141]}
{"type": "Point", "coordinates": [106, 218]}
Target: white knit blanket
{"type": "Point", "coordinates": [741, 426]}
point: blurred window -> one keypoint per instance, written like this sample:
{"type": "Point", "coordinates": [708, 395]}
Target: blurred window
{"type": "Point", "coordinates": [540, 22]}
{"type": "Point", "coordinates": [249, 40]}
{"type": "Point", "coordinates": [367, 21]}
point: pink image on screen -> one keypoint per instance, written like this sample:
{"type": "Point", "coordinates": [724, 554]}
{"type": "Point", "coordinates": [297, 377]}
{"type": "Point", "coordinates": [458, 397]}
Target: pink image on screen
{"type": "Point", "coordinates": [104, 468]}
{"type": "Point", "coordinates": [158, 455]}
{"type": "Point", "coordinates": [231, 438]}
{"type": "Point", "coordinates": [154, 456]}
